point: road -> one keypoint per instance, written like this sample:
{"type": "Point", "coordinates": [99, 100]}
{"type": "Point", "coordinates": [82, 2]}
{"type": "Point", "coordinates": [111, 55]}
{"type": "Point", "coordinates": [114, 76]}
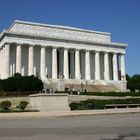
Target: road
{"type": "Point", "coordinates": [97, 127]}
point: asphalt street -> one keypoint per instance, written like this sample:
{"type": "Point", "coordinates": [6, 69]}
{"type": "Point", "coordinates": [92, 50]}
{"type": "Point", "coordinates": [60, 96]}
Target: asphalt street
{"type": "Point", "coordinates": [95, 127]}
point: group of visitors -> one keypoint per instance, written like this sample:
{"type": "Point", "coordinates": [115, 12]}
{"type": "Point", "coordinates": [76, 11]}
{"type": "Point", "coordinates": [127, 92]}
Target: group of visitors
{"type": "Point", "coordinates": [61, 76]}
{"type": "Point", "coordinates": [48, 91]}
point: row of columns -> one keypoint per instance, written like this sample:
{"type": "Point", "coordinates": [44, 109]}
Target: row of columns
{"type": "Point", "coordinates": [5, 69]}
{"type": "Point", "coordinates": [87, 65]}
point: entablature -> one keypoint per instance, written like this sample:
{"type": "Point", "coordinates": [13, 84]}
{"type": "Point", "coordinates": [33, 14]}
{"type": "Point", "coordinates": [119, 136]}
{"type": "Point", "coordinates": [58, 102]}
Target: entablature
{"type": "Point", "coordinates": [64, 44]}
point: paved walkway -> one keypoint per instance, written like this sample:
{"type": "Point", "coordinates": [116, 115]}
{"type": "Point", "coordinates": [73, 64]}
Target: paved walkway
{"type": "Point", "coordinates": [69, 113]}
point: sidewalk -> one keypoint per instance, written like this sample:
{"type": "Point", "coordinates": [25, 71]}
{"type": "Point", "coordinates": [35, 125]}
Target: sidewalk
{"type": "Point", "coordinates": [68, 113]}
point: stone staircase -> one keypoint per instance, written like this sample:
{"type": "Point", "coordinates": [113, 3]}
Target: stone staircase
{"type": "Point", "coordinates": [93, 88]}
{"type": "Point", "coordinates": [81, 85]}
{"type": "Point", "coordinates": [106, 88]}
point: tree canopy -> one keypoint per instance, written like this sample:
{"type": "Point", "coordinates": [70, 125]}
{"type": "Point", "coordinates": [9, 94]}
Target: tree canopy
{"type": "Point", "coordinates": [21, 83]}
{"type": "Point", "coordinates": [133, 82]}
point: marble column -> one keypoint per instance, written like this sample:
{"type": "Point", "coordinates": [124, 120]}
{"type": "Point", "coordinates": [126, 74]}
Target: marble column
{"type": "Point", "coordinates": [61, 64]}
{"type": "Point", "coordinates": [72, 64]}
{"type": "Point", "coordinates": [115, 67]}
{"type": "Point", "coordinates": [66, 64]}
{"type": "Point", "coordinates": [31, 61]}
{"type": "Point", "coordinates": [106, 66]}
{"type": "Point", "coordinates": [23, 71]}
{"type": "Point", "coordinates": [7, 60]}
{"type": "Point", "coordinates": [2, 62]}
{"type": "Point", "coordinates": [97, 66]}
{"type": "Point", "coordinates": [18, 59]}
{"type": "Point", "coordinates": [123, 73]}
{"type": "Point", "coordinates": [35, 74]}
{"type": "Point", "coordinates": [42, 63]}
{"type": "Point", "coordinates": [87, 65]}
{"type": "Point", "coordinates": [77, 65]}
{"type": "Point", "coordinates": [54, 63]}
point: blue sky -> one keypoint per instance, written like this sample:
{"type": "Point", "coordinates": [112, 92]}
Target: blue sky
{"type": "Point", "coordinates": [119, 17]}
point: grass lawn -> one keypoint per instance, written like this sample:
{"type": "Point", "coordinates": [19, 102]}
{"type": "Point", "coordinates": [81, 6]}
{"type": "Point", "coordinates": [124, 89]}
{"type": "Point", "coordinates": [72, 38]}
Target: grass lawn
{"type": "Point", "coordinates": [14, 100]}
{"type": "Point", "coordinates": [72, 98]}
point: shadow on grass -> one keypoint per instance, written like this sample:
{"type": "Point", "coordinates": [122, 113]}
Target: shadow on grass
{"type": "Point", "coordinates": [124, 137]}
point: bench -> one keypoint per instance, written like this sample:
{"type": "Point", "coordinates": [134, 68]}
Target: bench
{"type": "Point", "coordinates": [122, 106]}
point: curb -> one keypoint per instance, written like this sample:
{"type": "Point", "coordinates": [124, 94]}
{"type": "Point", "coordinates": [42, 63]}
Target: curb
{"type": "Point", "coordinates": [68, 113]}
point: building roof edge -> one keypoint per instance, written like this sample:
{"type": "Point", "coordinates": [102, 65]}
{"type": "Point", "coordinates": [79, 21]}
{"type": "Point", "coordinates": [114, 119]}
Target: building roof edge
{"type": "Point", "coordinates": [60, 27]}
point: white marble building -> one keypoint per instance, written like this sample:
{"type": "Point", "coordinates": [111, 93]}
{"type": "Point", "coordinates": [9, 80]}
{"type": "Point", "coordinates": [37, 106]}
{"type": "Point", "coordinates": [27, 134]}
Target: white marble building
{"type": "Point", "coordinates": [48, 51]}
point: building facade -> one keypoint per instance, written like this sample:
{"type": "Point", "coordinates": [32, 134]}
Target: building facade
{"type": "Point", "coordinates": [52, 52]}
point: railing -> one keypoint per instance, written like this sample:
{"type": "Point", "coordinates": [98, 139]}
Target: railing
{"type": "Point", "coordinates": [122, 106]}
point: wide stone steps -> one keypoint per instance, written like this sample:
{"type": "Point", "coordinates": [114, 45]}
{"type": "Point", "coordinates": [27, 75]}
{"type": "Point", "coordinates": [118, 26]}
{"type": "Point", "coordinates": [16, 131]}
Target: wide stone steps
{"type": "Point", "coordinates": [92, 88]}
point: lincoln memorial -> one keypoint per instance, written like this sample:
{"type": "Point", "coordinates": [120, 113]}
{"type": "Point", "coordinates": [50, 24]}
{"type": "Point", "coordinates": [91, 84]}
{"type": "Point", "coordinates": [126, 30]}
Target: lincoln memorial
{"type": "Point", "coordinates": [53, 52]}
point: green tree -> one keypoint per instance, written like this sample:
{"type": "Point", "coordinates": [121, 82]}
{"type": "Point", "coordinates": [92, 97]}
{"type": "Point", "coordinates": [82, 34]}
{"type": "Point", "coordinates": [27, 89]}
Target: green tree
{"type": "Point", "coordinates": [128, 77]}
{"type": "Point", "coordinates": [134, 82]}
{"type": "Point", "coordinates": [21, 83]}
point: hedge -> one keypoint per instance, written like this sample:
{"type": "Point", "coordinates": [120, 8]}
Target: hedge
{"type": "Point", "coordinates": [100, 104]}
{"type": "Point", "coordinates": [118, 94]}
{"type": "Point", "coordinates": [16, 93]}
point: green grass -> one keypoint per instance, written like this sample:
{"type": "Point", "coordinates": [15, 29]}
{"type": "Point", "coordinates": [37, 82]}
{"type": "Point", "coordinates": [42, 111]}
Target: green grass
{"type": "Point", "coordinates": [15, 100]}
{"type": "Point", "coordinates": [115, 94]}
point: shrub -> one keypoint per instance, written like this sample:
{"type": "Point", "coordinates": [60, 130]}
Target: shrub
{"type": "Point", "coordinates": [100, 104]}
{"type": "Point", "coordinates": [5, 106]}
{"type": "Point", "coordinates": [74, 106]}
{"type": "Point", "coordinates": [117, 94]}
{"type": "Point", "coordinates": [21, 83]}
{"type": "Point", "coordinates": [22, 105]}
